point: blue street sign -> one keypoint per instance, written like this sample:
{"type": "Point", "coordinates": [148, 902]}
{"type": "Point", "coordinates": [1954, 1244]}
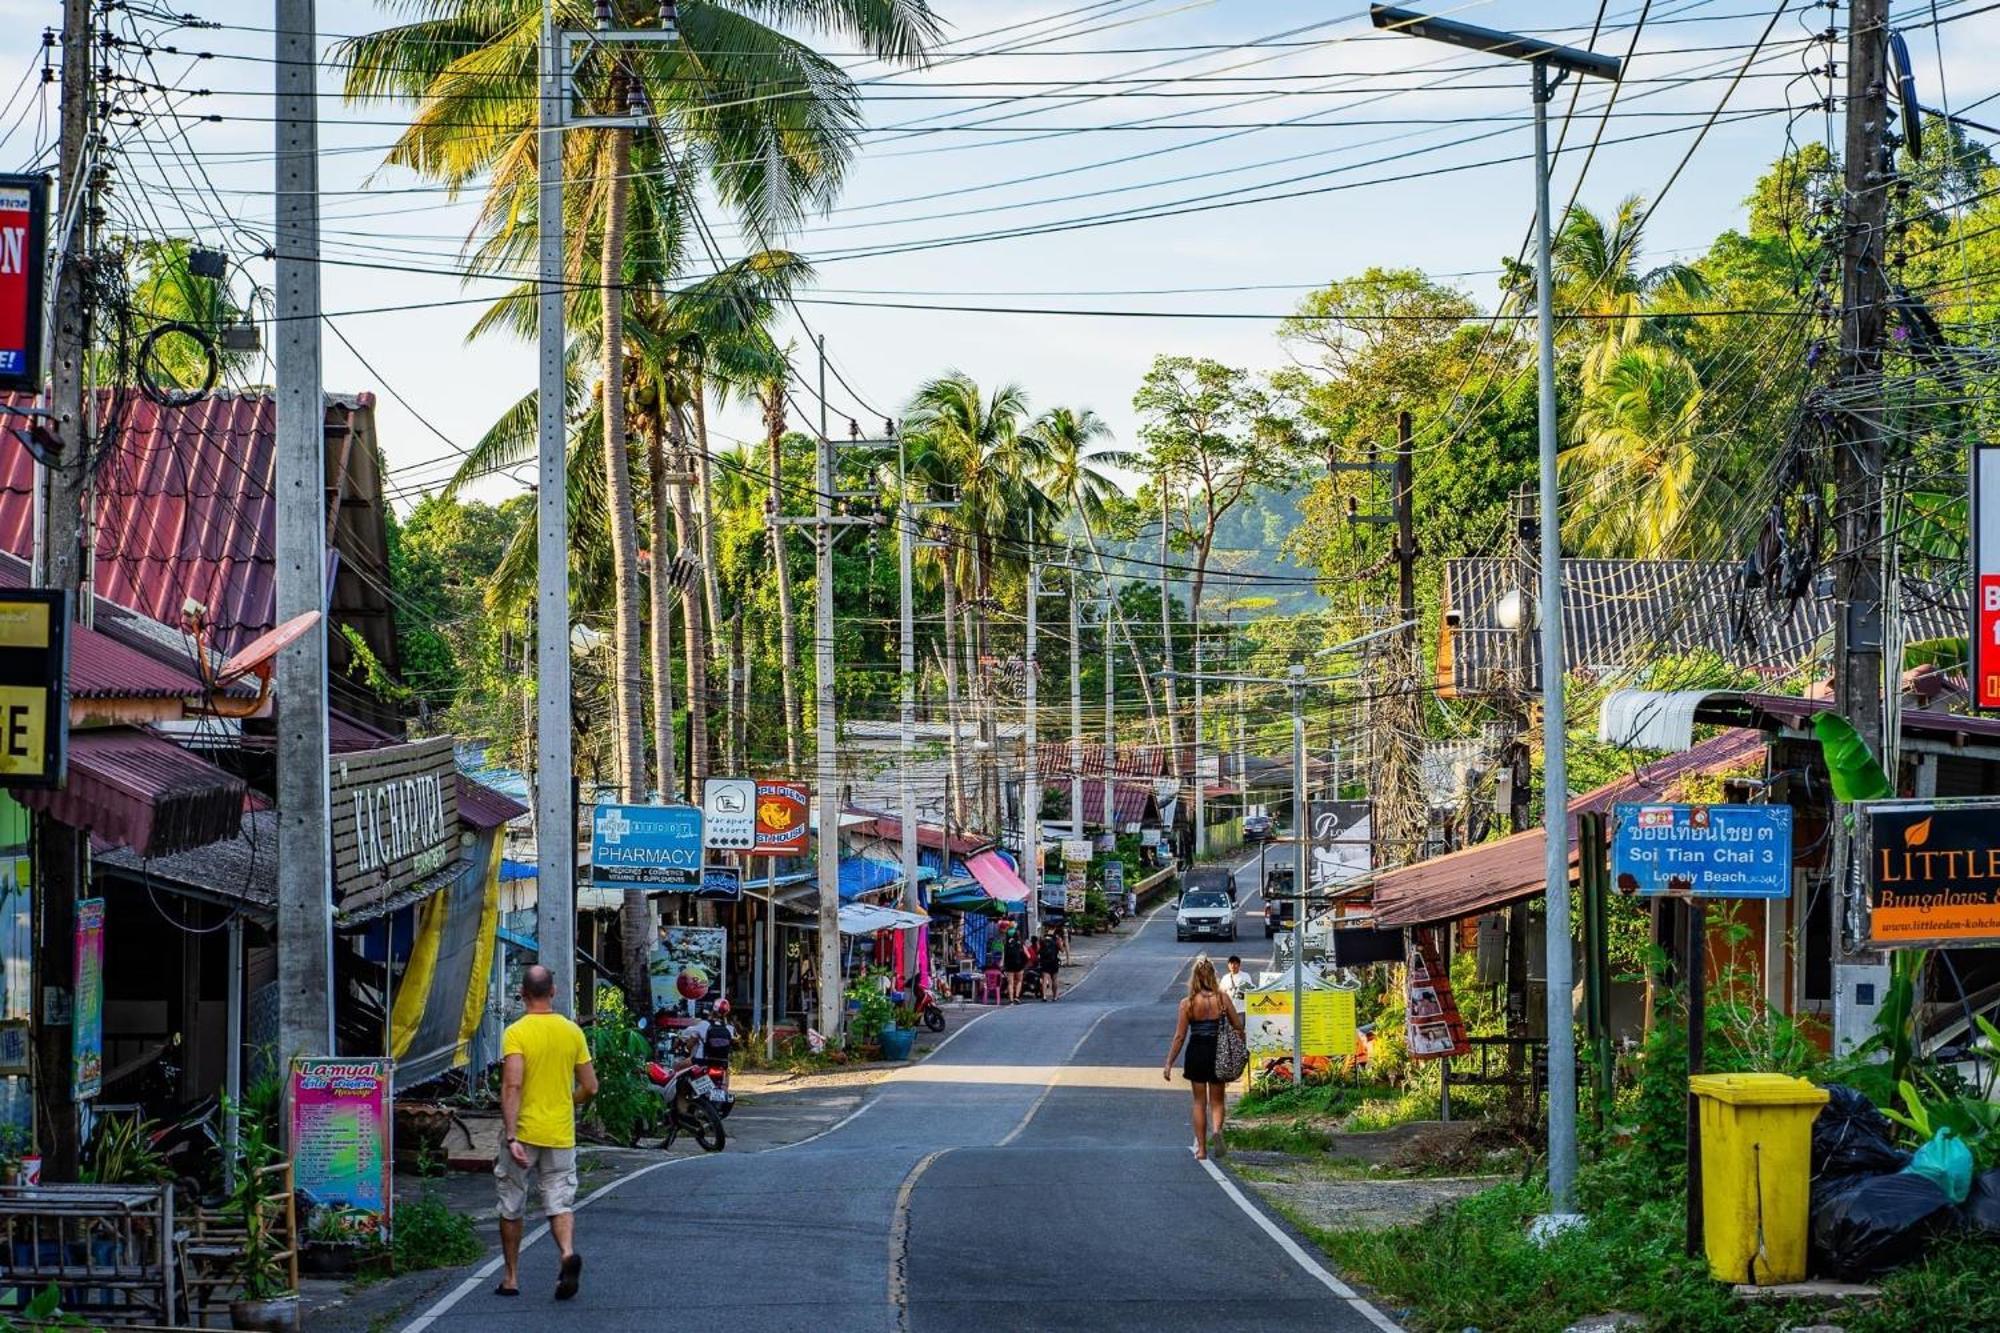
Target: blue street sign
{"type": "Point", "coordinates": [646, 846]}
{"type": "Point", "coordinates": [1703, 851]}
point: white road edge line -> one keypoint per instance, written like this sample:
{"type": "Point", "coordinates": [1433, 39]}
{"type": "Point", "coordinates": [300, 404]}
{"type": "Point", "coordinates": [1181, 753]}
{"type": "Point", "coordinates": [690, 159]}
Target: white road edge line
{"type": "Point", "coordinates": [493, 1265]}
{"type": "Point", "coordinates": [1312, 1266]}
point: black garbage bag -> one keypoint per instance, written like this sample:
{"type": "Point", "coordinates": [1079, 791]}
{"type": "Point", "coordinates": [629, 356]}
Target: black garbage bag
{"type": "Point", "coordinates": [1981, 1209]}
{"type": "Point", "coordinates": [1876, 1224]}
{"type": "Point", "coordinates": [1851, 1138]}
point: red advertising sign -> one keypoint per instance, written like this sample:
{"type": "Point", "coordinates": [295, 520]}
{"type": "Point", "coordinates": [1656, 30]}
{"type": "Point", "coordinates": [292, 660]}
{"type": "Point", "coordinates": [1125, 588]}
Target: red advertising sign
{"type": "Point", "coordinates": [23, 202]}
{"type": "Point", "coordinates": [1432, 1025]}
{"type": "Point", "coordinates": [1986, 576]}
{"type": "Point", "coordinates": [782, 828]}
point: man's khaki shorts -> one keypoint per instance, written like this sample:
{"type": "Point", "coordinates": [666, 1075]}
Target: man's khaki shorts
{"type": "Point", "coordinates": [553, 1169]}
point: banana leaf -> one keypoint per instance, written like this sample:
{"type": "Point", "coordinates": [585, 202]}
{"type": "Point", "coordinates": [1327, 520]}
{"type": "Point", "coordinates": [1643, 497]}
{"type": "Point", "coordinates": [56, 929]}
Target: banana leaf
{"type": "Point", "coordinates": [1856, 774]}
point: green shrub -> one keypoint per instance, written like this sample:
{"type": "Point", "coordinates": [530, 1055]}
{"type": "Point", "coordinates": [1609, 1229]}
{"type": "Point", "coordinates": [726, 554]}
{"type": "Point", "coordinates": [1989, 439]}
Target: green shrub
{"type": "Point", "coordinates": [625, 1105]}
{"type": "Point", "coordinates": [428, 1234]}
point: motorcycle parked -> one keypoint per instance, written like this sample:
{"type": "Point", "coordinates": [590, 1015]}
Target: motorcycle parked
{"type": "Point", "coordinates": [929, 1010]}
{"type": "Point", "coordinates": [688, 1090]}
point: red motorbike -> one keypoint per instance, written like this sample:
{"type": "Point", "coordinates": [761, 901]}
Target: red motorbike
{"type": "Point", "coordinates": [688, 1091]}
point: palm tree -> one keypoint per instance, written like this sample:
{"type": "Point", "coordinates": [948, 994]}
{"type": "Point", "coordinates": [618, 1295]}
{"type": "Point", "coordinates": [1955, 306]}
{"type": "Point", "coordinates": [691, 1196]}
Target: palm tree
{"type": "Point", "coordinates": [1632, 473]}
{"type": "Point", "coordinates": [471, 68]}
{"type": "Point", "coordinates": [1595, 267]}
{"type": "Point", "coordinates": [771, 397]}
{"type": "Point", "coordinates": [971, 446]}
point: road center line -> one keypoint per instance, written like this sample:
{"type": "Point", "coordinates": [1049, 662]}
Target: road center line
{"type": "Point", "coordinates": [1055, 1077]}
{"type": "Point", "coordinates": [1312, 1266]}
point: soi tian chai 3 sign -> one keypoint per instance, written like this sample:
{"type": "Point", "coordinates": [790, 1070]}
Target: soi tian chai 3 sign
{"type": "Point", "coordinates": [1933, 871]}
{"type": "Point", "coordinates": [1703, 851]}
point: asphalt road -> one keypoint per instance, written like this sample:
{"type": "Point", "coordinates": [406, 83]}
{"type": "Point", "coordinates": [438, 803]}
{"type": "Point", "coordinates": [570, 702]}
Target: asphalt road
{"type": "Point", "coordinates": [1033, 1173]}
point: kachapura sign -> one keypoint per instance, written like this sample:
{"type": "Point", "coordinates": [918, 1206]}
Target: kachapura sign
{"type": "Point", "coordinates": [395, 818]}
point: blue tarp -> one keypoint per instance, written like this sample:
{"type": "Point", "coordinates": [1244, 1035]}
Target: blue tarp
{"type": "Point", "coordinates": [511, 869]}
{"type": "Point", "coordinates": [859, 875]}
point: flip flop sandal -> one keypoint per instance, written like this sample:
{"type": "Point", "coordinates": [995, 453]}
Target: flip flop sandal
{"type": "Point", "coordinates": [504, 1290]}
{"type": "Point", "coordinates": [572, 1269]}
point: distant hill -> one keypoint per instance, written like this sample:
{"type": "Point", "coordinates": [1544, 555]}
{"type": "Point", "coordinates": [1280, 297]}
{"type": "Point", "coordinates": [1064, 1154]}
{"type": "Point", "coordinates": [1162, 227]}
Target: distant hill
{"type": "Point", "coordinates": [1250, 540]}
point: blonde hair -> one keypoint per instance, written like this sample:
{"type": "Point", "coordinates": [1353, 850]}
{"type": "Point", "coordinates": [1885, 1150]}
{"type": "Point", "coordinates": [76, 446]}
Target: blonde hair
{"type": "Point", "coordinates": [1202, 980]}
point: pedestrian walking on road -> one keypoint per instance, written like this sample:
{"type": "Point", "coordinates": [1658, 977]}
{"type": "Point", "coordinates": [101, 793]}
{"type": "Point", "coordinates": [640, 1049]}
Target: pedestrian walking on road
{"type": "Point", "coordinates": [1014, 960]}
{"type": "Point", "coordinates": [1235, 981]}
{"type": "Point", "coordinates": [545, 1075]}
{"type": "Point", "coordinates": [1049, 960]}
{"type": "Point", "coordinates": [1202, 1014]}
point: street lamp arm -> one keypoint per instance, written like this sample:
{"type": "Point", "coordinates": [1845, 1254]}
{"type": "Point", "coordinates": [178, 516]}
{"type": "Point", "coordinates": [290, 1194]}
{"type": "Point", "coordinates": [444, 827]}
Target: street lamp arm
{"type": "Point", "coordinates": [1512, 46]}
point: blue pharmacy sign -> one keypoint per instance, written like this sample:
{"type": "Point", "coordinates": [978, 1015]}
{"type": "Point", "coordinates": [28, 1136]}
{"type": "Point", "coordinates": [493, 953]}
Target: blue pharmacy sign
{"type": "Point", "coordinates": [646, 846]}
{"type": "Point", "coordinates": [1703, 851]}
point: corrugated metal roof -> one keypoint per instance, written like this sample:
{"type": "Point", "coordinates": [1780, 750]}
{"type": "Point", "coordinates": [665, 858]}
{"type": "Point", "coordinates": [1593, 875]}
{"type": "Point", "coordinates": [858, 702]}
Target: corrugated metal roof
{"type": "Point", "coordinates": [1492, 874]}
{"type": "Point", "coordinates": [1619, 613]}
{"type": "Point", "coordinates": [1666, 720]}
{"type": "Point", "coordinates": [1127, 761]}
{"type": "Point", "coordinates": [890, 829]}
{"type": "Point", "coordinates": [1132, 802]}
{"type": "Point", "coordinates": [484, 808]}
{"type": "Point", "coordinates": [242, 870]}
{"type": "Point", "coordinates": [131, 788]}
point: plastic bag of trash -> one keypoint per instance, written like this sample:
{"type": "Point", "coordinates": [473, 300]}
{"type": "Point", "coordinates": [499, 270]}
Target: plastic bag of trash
{"type": "Point", "coordinates": [1947, 1163]}
{"type": "Point", "coordinates": [1876, 1224]}
{"type": "Point", "coordinates": [1981, 1210]}
{"type": "Point", "coordinates": [1851, 1138]}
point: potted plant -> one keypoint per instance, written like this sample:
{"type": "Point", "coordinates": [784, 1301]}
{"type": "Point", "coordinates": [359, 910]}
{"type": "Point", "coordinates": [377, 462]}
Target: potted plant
{"type": "Point", "coordinates": [269, 1303]}
{"type": "Point", "coordinates": [333, 1245]}
{"type": "Point", "coordinates": [900, 1033]}
{"type": "Point", "coordinates": [13, 1147]}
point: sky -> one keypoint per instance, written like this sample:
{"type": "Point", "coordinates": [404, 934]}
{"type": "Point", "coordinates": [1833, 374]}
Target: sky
{"type": "Point", "coordinates": [1035, 116]}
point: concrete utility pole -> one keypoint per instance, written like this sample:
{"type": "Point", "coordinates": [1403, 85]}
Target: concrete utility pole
{"type": "Point", "coordinates": [305, 845]}
{"type": "Point", "coordinates": [827, 773]}
{"type": "Point", "coordinates": [1301, 831]}
{"type": "Point", "coordinates": [906, 664]}
{"type": "Point", "coordinates": [1031, 783]}
{"type": "Point", "coordinates": [1858, 585]}
{"type": "Point", "coordinates": [1075, 696]}
{"type": "Point", "coordinates": [1110, 717]}
{"type": "Point", "coordinates": [59, 870]}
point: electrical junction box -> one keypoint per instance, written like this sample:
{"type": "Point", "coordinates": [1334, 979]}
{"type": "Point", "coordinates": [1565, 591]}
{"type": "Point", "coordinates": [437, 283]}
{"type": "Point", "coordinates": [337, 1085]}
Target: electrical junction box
{"type": "Point", "coordinates": [1858, 992]}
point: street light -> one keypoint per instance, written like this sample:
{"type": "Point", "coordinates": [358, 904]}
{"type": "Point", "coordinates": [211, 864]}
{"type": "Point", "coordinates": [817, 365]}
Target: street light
{"type": "Point", "coordinates": [1564, 60]}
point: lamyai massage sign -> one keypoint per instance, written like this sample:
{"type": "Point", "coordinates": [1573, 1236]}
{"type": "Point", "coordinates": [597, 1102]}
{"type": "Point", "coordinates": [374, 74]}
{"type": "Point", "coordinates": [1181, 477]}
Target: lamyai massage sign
{"type": "Point", "coordinates": [1932, 871]}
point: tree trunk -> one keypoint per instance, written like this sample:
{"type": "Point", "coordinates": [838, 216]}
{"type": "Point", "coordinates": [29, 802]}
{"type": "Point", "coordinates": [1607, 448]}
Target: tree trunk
{"type": "Point", "coordinates": [711, 592]}
{"type": "Point", "coordinates": [628, 714]}
{"type": "Point", "coordinates": [700, 701]}
{"type": "Point", "coordinates": [738, 699]}
{"type": "Point", "coordinates": [661, 589]}
{"type": "Point", "coordinates": [774, 435]}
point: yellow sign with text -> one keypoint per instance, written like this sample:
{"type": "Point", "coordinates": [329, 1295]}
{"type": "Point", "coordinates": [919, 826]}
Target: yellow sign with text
{"type": "Point", "coordinates": [24, 730]}
{"type": "Point", "coordinates": [1331, 1027]}
{"type": "Point", "coordinates": [24, 624]}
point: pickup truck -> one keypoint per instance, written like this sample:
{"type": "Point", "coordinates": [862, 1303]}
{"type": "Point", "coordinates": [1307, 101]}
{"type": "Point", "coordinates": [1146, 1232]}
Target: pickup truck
{"type": "Point", "coordinates": [1219, 878]}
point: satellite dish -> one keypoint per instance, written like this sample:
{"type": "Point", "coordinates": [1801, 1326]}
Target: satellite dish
{"type": "Point", "coordinates": [1906, 93]}
{"type": "Point", "coordinates": [255, 657]}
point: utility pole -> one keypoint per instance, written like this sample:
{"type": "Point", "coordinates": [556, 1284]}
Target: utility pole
{"type": "Point", "coordinates": [305, 845]}
{"type": "Point", "coordinates": [906, 664]}
{"type": "Point", "coordinates": [1110, 718]}
{"type": "Point", "coordinates": [827, 772]}
{"type": "Point", "coordinates": [555, 813]}
{"type": "Point", "coordinates": [1858, 584]}
{"type": "Point", "coordinates": [1031, 785]}
{"type": "Point", "coordinates": [1404, 484]}
{"type": "Point", "coordinates": [1301, 831]}
{"type": "Point", "coordinates": [1075, 696]}
{"type": "Point", "coordinates": [59, 870]}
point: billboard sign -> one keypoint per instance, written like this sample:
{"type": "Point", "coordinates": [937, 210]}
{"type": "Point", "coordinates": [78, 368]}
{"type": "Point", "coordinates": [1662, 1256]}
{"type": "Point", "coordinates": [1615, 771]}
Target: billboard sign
{"type": "Point", "coordinates": [1343, 846]}
{"type": "Point", "coordinates": [1703, 851]}
{"type": "Point", "coordinates": [23, 211]}
{"type": "Point", "coordinates": [1932, 871]}
{"type": "Point", "coordinates": [729, 814]}
{"type": "Point", "coordinates": [687, 967]}
{"type": "Point", "coordinates": [341, 1120]}
{"type": "Point", "coordinates": [87, 1015]}
{"type": "Point", "coordinates": [646, 846]}
{"type": "Point", "coordinates": [1986, 576]}
{"type": "Point", "coordinates": [782, 826]}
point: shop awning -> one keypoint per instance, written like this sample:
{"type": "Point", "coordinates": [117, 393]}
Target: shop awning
{"type": "Point", "coordinates": [131, 788]}
{"type": "Point", "coordinates": [866, 919]}
{"type": "Point", "coordinates": [859, 875]}
{"type": "Point", "coordinates": [997, 878]}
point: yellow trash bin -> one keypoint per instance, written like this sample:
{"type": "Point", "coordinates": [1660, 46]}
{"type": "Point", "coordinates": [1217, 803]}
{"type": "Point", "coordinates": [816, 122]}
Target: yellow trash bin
{"type": "Point", "coordinates": [1756, 1173]}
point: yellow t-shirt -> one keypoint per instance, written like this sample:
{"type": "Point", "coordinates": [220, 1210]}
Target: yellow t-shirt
{"type": "Point", "coordinates": [550, 1047]}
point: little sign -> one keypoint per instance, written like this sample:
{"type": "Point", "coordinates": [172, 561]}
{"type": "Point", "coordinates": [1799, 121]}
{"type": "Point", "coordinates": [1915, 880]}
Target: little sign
{"type": "Point", "coordinates": [646, 846]}
{"type": "Point", "coordinates": [1703, 851]}
{"type": "Point", "coordinates": [1932, 869]}
{"type": "Point", "coordinates": [34, 666]}
{"type": "Point", "coordinates": [729, 814]}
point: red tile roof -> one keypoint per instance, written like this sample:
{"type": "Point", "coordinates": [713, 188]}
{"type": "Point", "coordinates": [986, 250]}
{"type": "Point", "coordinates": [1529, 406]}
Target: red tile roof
{"type": "Point", "coordinates": [890, 829]}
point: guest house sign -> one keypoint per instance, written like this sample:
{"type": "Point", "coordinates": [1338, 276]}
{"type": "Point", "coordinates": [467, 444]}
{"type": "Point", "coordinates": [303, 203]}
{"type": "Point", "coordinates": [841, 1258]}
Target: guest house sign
{"type": "Point", "coordinates": [395, 819]}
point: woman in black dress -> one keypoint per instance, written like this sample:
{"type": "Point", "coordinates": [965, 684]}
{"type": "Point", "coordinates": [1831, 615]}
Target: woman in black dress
{"type": "Point", "coordinates": [1202, 1014]}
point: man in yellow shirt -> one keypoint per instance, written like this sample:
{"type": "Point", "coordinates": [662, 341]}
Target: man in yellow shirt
{"type": "Point", "coordinates": [545, 1074]}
